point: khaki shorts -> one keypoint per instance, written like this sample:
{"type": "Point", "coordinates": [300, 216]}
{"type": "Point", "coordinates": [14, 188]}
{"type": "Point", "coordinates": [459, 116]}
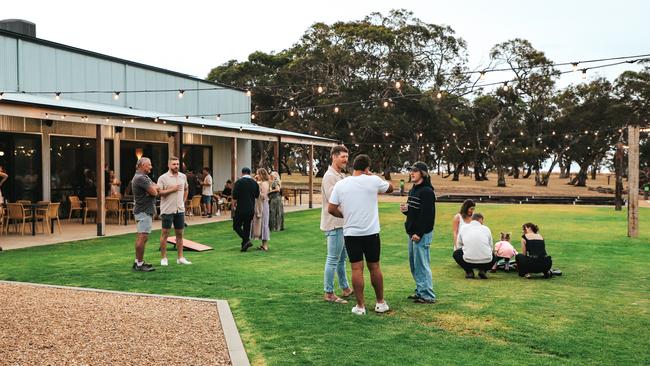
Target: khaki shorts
{"type": "Point", "coordinates": [144, 222]}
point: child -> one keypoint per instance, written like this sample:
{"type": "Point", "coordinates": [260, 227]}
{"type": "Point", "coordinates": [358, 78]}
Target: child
{"type": "Point", "coordinates": [503, 250]}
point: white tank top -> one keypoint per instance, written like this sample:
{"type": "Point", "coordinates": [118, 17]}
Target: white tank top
{"type": "Point", "coordinates": [461, 222]}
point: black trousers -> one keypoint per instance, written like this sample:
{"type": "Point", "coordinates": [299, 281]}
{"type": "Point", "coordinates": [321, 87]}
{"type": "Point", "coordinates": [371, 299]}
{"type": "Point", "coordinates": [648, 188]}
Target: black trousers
{"type": "Point", "coordinates": [242, 226]}
{"type": "Point", "coordinates": [527, 265]}
{"type": "Point", "coordinates": [469, 267]}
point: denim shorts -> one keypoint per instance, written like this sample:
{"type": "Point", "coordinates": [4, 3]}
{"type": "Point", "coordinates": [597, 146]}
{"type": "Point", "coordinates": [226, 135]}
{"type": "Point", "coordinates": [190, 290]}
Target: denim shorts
{"type": "Point", "coordinates": [144, 222]}
{"type": "Point", "coordinates": [178, 219]}
{"type": "Point", "coordinates": [206, 199]}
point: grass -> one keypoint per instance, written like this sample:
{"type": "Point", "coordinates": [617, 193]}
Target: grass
{"type": "Point", "coordinates": [597, 313]}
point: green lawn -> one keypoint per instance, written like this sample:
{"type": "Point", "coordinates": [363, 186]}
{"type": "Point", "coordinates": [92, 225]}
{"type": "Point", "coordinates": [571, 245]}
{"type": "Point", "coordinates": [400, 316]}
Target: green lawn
{"type": "Point", "coordinates": [597, 313]}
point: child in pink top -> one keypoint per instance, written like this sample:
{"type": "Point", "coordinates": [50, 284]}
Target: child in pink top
{"type": "Point", "coordinates": [504, 250]}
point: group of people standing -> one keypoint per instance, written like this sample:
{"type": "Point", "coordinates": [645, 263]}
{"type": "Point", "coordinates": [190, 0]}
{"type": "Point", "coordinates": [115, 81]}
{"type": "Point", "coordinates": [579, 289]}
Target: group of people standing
{"type": "Point", "coordinates": [257, 207]}
{"type": "Point", "coordinates": [350, 220]}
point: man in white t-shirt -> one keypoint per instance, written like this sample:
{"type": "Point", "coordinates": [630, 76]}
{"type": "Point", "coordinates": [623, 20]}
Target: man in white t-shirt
{"type": "Point", "coordinates": [355, 200]}
{"type": "Point", "coordinates": [476, 249]}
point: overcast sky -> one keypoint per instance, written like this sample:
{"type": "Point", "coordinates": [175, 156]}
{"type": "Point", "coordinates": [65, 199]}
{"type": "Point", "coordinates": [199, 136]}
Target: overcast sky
{"type": "Point", "coordinates": [194, 36]}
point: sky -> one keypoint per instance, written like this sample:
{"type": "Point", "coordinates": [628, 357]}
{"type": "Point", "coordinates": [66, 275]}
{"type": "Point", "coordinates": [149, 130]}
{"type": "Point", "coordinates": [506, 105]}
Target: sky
{"type": "Point", "coordinates": [192, 37]}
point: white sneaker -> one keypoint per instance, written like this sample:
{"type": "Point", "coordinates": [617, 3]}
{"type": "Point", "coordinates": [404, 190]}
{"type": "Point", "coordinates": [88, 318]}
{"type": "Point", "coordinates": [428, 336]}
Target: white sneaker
{"type": "Point", "coordinates": [183, 261]}
{"type": "Point", "coordinates": [164, 262]}
{"type": "Point", "coordinates": [359, 311]}
{"type": "Point", "coordinates": [381, 307]}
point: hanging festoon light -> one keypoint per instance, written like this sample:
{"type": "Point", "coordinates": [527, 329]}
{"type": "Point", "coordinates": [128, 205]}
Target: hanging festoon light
{"type": "Point", "coordinates": [252, 115]}
{"type": "Point", "coordinates": [521, 133]}
{"type": "Point", "coordinates": [106, 119]}
{"type": "Point", "coordinates": [155, 119]}
{"type": "Point", "coordinates": [439, 95]}
{"type": "Point", "coordinates": [385, 104]}
{"type": "Point", "coordinates": [574, 66]}
{"type": "Point", "coordinates": [336, 109]}
{"type": "Point", "coordinates": [320, 89]}
{"type": "Point", "coordinates": [351, 133]}
{"type": "Point", "coordinates": [1, 94]}
{"type": "Point", "coordinates": [57, 95]}
{"type": "Point", "coordinates": [187, 117]}
{"type": "Point", "coordinates": [386, 134]}
{"type": "Point", "coordinates": [63, 116]}
{"type": "Point", "coordinates": [584, 74]}
{"type": "Point", "coordinates": [116, 95]}
{"type": "Point", "coordinates": [292, 113]}
{"type": "Point", "coordinates": [181, 92]}
{"type": "Point", "coordinates": [482, 75]}
{"type": "Point", "coordinates": [248, 93]}
{"type": "Point", "coordinates": [398, 85]}
{"type": "Point", "coordinates": [505, 86]}
{"type": "Point", "coordinates": [218, 117]}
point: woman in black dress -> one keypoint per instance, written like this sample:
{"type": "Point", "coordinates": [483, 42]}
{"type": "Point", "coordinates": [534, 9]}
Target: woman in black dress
{"type": "Point", "coordinates": [533, 257]}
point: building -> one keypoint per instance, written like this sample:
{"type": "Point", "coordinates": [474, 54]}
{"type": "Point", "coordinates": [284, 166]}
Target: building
{"type": "Point", "coordinates": [59, 105]}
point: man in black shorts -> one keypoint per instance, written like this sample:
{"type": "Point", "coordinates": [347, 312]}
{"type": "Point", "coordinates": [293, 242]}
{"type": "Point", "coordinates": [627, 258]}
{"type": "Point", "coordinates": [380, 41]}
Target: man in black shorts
{"type": "Point", "coordinates": [173, 191]}
{"type": "Point", "coordinates": [355, 200]}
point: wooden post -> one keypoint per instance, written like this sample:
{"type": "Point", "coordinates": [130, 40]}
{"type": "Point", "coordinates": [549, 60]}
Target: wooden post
{"type": "Point", "coordinates": [233, 159]}
{"type": "Point", "coordinates": [618, 169]}
{"type": "Point", "coordinates": [101, 196]}
{"type": "Point", "coordinates": [633, 182]}
{"type": "Point", "coordinates": [311, 176]}
{"type": "Point", "coordinates": [178, 145]}
{"type": "Point", "coordinates": [276, 155]}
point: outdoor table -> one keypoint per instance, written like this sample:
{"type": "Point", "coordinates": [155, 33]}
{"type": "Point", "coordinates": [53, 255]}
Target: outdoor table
{"type": "Point", "coordinates": [33, 207]}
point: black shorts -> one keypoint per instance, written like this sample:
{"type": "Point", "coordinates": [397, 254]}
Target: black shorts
{"type": "Point", "coordinates": [177, 218]}
{"type": "Point", "coordinates": [360, 246]}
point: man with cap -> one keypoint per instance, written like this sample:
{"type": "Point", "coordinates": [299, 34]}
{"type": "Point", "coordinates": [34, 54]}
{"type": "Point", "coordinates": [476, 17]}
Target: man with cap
{"type": "Point", "coordinates": [420, 211]}
{"type": "Point", "coordinates": [244, 193]}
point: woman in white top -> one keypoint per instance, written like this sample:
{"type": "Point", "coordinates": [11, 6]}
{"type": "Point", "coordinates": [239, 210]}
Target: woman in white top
{"type": "Point", "coordinates": [464, 217]}
{"type": "Point", "coordinates": [115, 184]}
{"type": "Point", "coordinates": [3, 178]}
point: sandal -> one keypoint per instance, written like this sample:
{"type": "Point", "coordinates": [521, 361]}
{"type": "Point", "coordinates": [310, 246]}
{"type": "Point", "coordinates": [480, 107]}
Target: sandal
{"type": "Point", "coordinates": [337, 300]}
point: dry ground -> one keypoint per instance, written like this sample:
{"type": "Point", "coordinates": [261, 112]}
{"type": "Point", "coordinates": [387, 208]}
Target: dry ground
{"type": "Point", "coordinates": [53, 326]}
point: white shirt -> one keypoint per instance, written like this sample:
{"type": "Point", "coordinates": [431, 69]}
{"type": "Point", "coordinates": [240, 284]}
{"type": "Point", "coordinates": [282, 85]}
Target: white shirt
{"type": "Point", "coordinates": [476, 241]}
{"type": "Point", "coordinates": [357, 198]}
{"type": "Point", "coordinates": [207, 190]}
{"type": "Point", "coordinates": [327, 221]}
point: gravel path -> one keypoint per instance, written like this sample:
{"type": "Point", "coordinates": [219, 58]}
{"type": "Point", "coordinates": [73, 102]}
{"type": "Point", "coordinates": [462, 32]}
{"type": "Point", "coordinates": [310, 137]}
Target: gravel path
{"type": "Point", "coordinates": [51, 326]}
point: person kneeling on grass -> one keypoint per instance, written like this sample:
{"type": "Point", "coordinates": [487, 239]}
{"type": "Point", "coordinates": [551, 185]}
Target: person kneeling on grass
{"type": "Point", "coordinates": [475, 248]}
{"type": "Point", "coordinates": [533, 257]}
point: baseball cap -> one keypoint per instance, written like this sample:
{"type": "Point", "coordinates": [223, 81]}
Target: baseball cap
{"type": "Point", "coordinates": [419, 166]}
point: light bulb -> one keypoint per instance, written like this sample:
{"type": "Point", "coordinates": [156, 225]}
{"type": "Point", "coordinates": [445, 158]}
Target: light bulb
{"type": "Point", "coordinates": [505, 86]}
{"type": "Point", "coordinates": [248, 93]}
{"type": "Point", "coordinates": [320, 89]}
{"type": "Point", "coordinates": [155, 119]}
{"type": "Point", "coordinates": [63, 116]}
{"type": "Point", "coordinates": [584, 74]}
{"type": "Point", "coordinates": [385, 103]}
{"type": "Point", "coordinates": [292, 113]}
{"type": "Point", "coordinates": [521, 133]}
{"type": "Point", "coordinates": [351, 133]}
{"type": "Point", "coordinates": [1, 94]}
{"type": "Point", "coordinates": [398, 85]}
{"type": "Point", "coordinates": [218, 117]}
{"type": "Point", "coordinates": [574, 66]}
{"type": "Point", "coordinates": [336, 109]}
{"type": "Point", "coordinates": [116, 95]}
{"type": "Point", "coordinates": [482, 76]}
{"type": "Point", "coordinates": [180, 94]}
{"type": "Point", "coordinates": [57, 95]}
{"type": "Point", "coordinates": [252, 116]}
{"type": "Point", "coordinates": [439, 95]}
{"type": "Point", "coordinates": [132, 120]}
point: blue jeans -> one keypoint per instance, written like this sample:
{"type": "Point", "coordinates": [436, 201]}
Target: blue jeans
{"type": "Point", "coordinates": [335, 261]}
{"type": "Point", "coordinates": [420, 269]}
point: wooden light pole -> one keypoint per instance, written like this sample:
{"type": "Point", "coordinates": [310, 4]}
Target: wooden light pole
{"type": "Point", "coordinates": [633, 182]}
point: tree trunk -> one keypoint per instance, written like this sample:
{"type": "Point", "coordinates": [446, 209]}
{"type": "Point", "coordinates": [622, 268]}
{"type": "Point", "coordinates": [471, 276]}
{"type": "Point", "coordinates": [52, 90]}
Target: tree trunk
{"type": "Point", "coordinates": [457, 171]}
{"type": "Point", "coordinates": [562, 169]}
{"type": "Point", "coordinates": [594, 171]}
{"type": "Point", "coordinates": [501, 176]}
{"type": "Point", "coordinates": [466, 171]}
{"type": "Point", "coordinates": [547, 177]}
{"type": "Point", "coordinates": [515, 172]}
{"type": "Point", "coordinates": [581, 178]}
{"type": "Point", "coordinates": [528, 172]}
{"type": "Point", "coordinates": [477, 171]}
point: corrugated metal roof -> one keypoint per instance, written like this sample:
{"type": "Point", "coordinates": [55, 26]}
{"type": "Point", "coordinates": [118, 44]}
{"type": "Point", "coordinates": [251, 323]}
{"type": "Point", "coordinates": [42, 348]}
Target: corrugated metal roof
{"type": "Point", "coordinates": [109, 110]}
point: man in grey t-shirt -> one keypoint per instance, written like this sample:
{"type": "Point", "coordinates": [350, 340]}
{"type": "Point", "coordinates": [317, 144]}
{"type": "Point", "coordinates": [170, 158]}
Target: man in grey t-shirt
{"type": "Point", "coordinates": [144, 196]}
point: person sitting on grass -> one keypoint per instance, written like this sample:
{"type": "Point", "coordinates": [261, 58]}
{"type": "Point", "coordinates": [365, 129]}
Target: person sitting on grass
{"type": "Point", "coordinates": [475, 248]}
{"type": "Point", "coordinates": [503, 250]}
{"type": "Point", "coordinates": [533, 257]}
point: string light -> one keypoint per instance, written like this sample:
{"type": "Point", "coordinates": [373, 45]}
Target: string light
{"type": "Point", "coordinates": [292, 113]}
{"type": "Point", "coordinates": [320, 89]}
{"type": "Point", "coordinates": [248, 93]}
{"type": "Point", "coordinates": [521, 133]}
{"type": "Point", "coordinates": [584, 74]}
{"type": "Point", "coordinates": [386, 134]}
{"type": "Point", "coordinates": [132, 120]}
{"type": "Point", "coordinates": [57, 95]}
{"type": "Point", "coordinates": [439, 95]}
{"type": "Point", "coordinates": [63, 116]}
{"type": "Point", "coordinates": [116, 95]}
{"type": "Point", "coordinates": [253, 116]}
{"type": "Point", "coordinates": [574, 66]}
{"type": "Point", "coordinates": [123, 122]}
{"type": "Point", "coordinates": [553, 133]}
{"type": "Point", "coordinates": [164, 122]}
{"type": "Point", "coordinates": [218, 117]}
{"type": "Point", "coordinates": [106, 119]}
{"type": "Point", "coordinates": [155, 119]}
{"type": "Point", "coordinates": [351, 133]}
{"type": "Point", "coordinates": [385, 103]}
{"type": "Point", "coordinates": [482, 75]}
{"type": "Point", "coordinates": [336, 109]}
{"type": "Point", "coordinates": [505, 86]}
{"type": "Point", "coordinates": [398, 85]}
{"type": "Point", "coordinates": [1, 94]}
{"type": "Point", "coordinates": [47, 115]}
{"type": "Point", "coordinates": [181, 92]}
